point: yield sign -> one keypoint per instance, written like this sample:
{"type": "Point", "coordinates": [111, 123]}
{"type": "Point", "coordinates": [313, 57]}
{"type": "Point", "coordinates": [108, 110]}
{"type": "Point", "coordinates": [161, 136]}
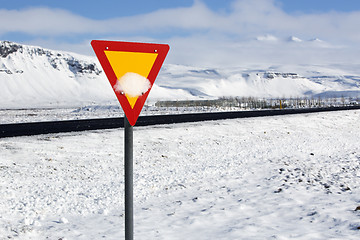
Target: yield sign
{"type": "Point", "coordinates": [131, 69]}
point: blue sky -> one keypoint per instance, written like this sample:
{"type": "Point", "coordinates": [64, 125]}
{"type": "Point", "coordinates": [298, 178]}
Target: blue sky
{"type": "Point", "coordinates": [185, 24]}
{"type": "Point", "coordinates": [112, 8]}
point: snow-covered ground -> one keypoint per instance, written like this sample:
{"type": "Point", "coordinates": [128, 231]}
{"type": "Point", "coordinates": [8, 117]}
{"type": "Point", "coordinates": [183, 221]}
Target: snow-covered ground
{"type": "Point", "coordinates": [283, 177]}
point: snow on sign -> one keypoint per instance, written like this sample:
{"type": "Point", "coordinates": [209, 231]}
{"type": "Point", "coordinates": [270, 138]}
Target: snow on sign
{"type": "Point", "coordinates": [131, 69]}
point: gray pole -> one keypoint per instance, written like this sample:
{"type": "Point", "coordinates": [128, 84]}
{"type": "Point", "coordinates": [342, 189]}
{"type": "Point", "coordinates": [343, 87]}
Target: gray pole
{"type": "Point", "coordinates": [128, 167]}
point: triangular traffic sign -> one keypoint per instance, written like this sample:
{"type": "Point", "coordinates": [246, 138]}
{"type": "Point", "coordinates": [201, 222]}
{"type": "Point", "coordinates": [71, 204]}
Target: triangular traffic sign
{"type": "Point", "coordinates": [131, 69]}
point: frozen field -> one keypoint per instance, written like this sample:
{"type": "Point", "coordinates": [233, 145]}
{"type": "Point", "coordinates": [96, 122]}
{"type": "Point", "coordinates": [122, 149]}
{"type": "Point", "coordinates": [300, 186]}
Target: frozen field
{"type": "Point", "coordinates": [285, 177]}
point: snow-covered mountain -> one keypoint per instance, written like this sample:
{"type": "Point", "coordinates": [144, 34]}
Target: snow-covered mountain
{"type": "Point", "coordinates": [36, 77]}
{"type": "Point", "coordinates": [33, 76]}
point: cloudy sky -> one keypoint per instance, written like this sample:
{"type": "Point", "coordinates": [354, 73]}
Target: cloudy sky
{"type": "Point", "coordinates": [200, 32]}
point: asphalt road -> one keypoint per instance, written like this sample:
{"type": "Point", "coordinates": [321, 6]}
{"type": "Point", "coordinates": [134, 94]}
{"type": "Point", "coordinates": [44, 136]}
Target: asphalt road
{"type": "Point", "coordinates": [35, 128]}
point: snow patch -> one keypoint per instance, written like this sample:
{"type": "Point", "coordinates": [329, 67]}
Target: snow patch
{"type": "Point", "coordinates": [266, 38]}
{"type": "Point", "coordinates": [294, 39]}
{"type": "Point", "coordinates": [316, 40]}
{"type": "Point", "coordinates": [63, 220]}
{"type": "Point", "coordinates": [132, 84]}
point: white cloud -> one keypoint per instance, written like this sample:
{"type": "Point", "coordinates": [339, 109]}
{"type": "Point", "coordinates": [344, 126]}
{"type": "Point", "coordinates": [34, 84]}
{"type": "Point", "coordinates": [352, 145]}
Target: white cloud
{"type": "Point", "coordinates": [54, 22]}
{"type": "Point", "coordinates": [44, 22]}
{"type": "Point", "coordinates": [196, 17]}
{"type": "Point", "coordinates": [246, 18]}
{"type": "Point", "coordinates": [203, 36]}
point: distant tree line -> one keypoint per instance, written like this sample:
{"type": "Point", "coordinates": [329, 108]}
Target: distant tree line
{"type": "Point", "coordinates": [263, 103]}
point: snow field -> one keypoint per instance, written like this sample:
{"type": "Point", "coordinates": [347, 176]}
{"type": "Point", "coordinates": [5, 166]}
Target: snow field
{"type": "Point", "coordinates": [283, 177]}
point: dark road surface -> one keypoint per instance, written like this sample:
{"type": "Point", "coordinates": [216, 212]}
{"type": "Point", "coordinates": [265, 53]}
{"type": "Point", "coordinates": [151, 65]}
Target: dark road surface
{"type": "Point", "coordinates": [35, 128]}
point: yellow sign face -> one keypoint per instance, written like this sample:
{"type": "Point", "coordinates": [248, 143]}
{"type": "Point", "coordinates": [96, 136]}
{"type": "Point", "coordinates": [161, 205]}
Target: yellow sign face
{"type": "Point", "coordinates": [131, 62]}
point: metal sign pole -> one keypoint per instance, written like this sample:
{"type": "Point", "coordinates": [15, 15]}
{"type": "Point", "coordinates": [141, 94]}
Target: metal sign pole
{"type": "Point", "coordinates": [128, 167]}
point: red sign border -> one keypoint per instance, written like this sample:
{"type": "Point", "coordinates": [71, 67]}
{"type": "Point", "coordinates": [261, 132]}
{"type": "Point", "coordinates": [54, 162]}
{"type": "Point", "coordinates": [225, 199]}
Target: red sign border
{"type": "Point", "coordinates": [100, 46]}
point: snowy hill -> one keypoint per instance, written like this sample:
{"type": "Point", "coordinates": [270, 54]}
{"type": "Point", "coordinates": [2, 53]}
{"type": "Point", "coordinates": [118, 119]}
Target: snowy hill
{"type": "Point", "coordinates": [36, 77]}
{"type": "Point", "coordinates": [32, 76]}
